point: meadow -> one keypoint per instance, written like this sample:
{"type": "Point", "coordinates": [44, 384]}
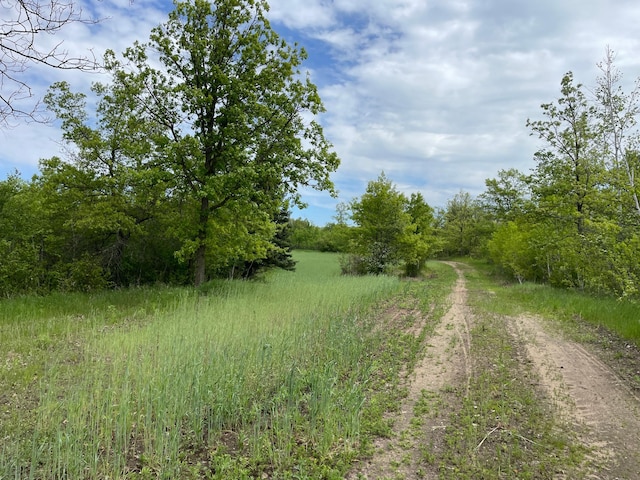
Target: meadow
{"type": "Point", "coordinates": [292, 376]}
{"type": "Point", "coordinates": [235, 380]}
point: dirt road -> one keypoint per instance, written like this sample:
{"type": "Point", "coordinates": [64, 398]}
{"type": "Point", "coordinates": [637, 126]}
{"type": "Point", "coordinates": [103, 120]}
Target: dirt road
{"type": "Point", "coordinates": [585, 394]}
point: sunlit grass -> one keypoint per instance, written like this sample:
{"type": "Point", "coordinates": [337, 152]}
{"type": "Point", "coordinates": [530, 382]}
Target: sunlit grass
{"type": "Point", "coordinates": [238, 379]}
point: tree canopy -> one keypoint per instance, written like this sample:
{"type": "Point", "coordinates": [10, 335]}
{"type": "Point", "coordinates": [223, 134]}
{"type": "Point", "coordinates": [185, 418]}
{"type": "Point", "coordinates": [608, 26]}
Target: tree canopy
{"type": "Point", "coordinates": [190, 160]}
{"type": "Point", "coordinates": [231, 104]}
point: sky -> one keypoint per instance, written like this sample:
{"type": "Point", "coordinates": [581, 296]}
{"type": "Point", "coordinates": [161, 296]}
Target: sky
{"type": "Point", "coordinates": [434, 93]}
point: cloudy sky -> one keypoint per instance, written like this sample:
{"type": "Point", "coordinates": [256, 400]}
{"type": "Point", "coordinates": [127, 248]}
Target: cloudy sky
{"type": "Point", "coordinates": [435, 93]}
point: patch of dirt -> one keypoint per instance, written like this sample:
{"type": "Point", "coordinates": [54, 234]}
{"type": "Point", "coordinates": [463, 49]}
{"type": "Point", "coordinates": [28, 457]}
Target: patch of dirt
{"type": "Point", "coordinates": [590, 396]}
{"type": "Point", "coordinates": [446, 362]}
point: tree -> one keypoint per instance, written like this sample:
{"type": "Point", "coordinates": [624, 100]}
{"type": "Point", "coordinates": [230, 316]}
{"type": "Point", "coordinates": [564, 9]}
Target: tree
{"type": "Point", "coordinates": [506, 196]}
{"type": "Point", "coordinates": [465, 225]}
{"type": "Point", "coordinates": [389, 230]}
{"type": "Point", "coordinates": [509, 248]}
{"type": "Point", "coordinates": [278, 255]}
{"type": "Point", "coordinates": [233, 105]}
{"type": "Point", "coordinates": [111, 176]}
{"type": "Point", "coordinates": [382, 223]}
{"type": "Point", "coordinates": [304, 235]}
{"type": "Point", "coordinates": [22, 23]}
{"type": "Point", "coordinates": [618, 112]}
{"type": "Point", "coordinates": [423, 242]}
{"type": "Point", "coordinates": [569, 169]}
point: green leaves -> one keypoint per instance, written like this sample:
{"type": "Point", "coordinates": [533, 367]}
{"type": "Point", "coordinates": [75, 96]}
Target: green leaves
{"type": "Point", "coordinates": [573, 221]}
{"type": "Point", "coordinates": [235, 130]}
{"type": "Point", "coordinates": [390, 229]}
{"type": "Point", "coordinates": [201, 139]}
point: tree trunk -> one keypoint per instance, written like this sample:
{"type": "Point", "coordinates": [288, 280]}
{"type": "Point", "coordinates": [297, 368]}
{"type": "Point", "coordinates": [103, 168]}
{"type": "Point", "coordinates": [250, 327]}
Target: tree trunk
{"type": "Point", "coordinates": [200, 261]}
{"type": "Point", "coordinates": [200, 266]}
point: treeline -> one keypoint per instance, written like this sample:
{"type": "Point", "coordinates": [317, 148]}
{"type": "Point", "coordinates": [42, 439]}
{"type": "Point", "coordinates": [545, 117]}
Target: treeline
{"type": "Point", "coordinates": [385, 231]}
{"type": "Point", "coordinates": [58, 237]}
{"type": "Point", "coordinates": [572, 222]}
{"type": "Point", "coordinates": [139, 202]}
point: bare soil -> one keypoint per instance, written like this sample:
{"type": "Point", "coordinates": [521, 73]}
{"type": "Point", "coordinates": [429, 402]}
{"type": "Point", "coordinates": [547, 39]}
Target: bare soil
{"type": "Point", "coordinates": [600, 404]}
{"type": "Point", "coordinates": [446, 362]}
{"type": "Point", "coordinates": [590, 395]}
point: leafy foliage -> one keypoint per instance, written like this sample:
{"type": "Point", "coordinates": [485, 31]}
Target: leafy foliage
{"type": "Point", "coordinates": [390, 229]}
{"type": "Point", "coordinates": [465, 226]}
{"type": "Point", "coordinates": [231, 103]}
{"type": "Point", "coordinates": [573, 222]}
{"type": "Point", "coordinates": [188, 164]}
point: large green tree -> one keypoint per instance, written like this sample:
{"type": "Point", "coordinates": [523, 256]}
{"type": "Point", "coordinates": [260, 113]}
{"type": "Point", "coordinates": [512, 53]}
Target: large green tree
{"type": "Point", "coordinates": [235, 110]}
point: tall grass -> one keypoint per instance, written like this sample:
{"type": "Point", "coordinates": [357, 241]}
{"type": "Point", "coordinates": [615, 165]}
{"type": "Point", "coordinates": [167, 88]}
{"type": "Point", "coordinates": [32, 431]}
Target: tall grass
{"type": "Point", "coordinates": [236, 381]}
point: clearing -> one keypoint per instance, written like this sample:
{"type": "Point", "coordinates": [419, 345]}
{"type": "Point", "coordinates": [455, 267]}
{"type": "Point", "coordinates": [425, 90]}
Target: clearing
{"type": "Point", "coordinates": [595, 413]}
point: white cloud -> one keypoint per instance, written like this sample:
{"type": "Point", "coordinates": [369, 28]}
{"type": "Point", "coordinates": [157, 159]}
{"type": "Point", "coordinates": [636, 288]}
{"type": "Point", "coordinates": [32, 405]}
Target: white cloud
{"type": "Point", "coordinates": [297, 15]}
{"type": "Point", "coordinates": [435, 93]}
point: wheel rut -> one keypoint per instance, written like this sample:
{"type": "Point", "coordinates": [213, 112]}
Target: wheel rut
{"type": "Point", "coordinates": [446, 361]}
{"type": "Point", "coordinates": [589, 396]}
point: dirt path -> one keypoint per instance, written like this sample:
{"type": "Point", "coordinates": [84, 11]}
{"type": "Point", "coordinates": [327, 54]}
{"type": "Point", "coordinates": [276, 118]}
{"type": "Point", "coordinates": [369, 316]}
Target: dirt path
{"type": "Point", "coordinates": [446, 361]}
{"type": "Point", "coordinates": [605, 412]}
{"type": "Point", "coordinates": [588, 396]}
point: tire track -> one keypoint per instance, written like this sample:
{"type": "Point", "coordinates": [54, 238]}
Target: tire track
{"type": "Point", "coordinates": [590, 396]}
{"type": "Point", "coordinates": [447, 357]}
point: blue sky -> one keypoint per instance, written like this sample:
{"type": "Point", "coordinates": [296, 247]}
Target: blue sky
{"type": "Point", "coordinates": [435, 93]}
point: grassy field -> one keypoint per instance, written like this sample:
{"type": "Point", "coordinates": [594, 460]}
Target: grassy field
{"type": "Point", "coordinates": [236, 380]}
{"type": "Point", "coordinates": [289, 377]}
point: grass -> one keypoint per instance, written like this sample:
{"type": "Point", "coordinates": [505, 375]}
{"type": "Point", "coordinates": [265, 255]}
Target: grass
{"type": "Point", "coordinates": [503, 427]}
{"type": "Point", "coordinates": [238, 380]}
{"type": "Point", "coordinates": [289, 377]}
{"type": "Point", "coordinates": [621, 317]}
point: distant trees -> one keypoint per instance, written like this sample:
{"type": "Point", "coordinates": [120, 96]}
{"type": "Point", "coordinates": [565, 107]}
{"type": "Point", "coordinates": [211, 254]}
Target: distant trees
{"type": "Point", "coordinates": [332, 237]}
{"type": "Point", "coordinates": [464, 226]}
{"type": "Point", "coordinates": [506, 197]}
{"type": "Point", "coordinates": [389, 230]}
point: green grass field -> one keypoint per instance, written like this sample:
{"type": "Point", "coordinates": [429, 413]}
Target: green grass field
{"type": "Point", "coordinates": [238, 379]}
{"type": "Point", "coordinates": [288, 377]}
